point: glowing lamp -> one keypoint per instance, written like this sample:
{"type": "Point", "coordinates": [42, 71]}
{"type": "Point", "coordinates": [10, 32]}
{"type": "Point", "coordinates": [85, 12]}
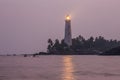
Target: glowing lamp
{"type": "Point", "coordinates": [67, 17]}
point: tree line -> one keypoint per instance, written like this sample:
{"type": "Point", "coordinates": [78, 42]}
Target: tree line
{"type": "Point", "coordinates": [80, 44]}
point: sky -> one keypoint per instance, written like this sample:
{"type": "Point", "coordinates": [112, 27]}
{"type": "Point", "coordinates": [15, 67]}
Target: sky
{"type": "Point", "coordinates": [26, 25]}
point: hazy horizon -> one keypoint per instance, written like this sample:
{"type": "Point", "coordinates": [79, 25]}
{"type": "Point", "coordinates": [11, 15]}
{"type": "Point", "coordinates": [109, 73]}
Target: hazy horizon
{"type": "Point", "coordinates": [26, 25]}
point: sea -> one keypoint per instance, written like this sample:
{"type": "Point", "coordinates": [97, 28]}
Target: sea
{"type": "Point", "coordinates": [58, 67]}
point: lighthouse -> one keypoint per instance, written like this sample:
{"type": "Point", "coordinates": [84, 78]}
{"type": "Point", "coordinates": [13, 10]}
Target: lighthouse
{"type": "Point", "coordinates": [68, 35]}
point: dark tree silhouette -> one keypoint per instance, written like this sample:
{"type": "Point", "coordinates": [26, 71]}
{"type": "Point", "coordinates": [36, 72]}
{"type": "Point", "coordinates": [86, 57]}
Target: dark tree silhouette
{"type": "Point", "coordinates": [80, 44]}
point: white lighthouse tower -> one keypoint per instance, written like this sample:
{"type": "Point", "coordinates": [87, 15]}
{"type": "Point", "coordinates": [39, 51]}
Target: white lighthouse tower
{"type": "Point", "coordinates": [68, 36]}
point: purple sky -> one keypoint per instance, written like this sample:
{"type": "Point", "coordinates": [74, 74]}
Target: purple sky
{"type": "Point", "coordinates": [26, 25]}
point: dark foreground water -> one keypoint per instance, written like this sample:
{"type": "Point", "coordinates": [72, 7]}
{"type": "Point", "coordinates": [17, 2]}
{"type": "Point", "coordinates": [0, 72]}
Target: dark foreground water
{"type": "Point", "coordinates": [60, 68]}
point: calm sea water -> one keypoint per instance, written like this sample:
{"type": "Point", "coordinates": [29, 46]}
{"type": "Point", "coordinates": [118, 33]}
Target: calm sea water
{"type": "Point", "coordinates": [60, 68]}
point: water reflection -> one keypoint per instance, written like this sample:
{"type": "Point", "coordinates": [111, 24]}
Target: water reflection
{"type": "Point", "coordinates": [68, 68]}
